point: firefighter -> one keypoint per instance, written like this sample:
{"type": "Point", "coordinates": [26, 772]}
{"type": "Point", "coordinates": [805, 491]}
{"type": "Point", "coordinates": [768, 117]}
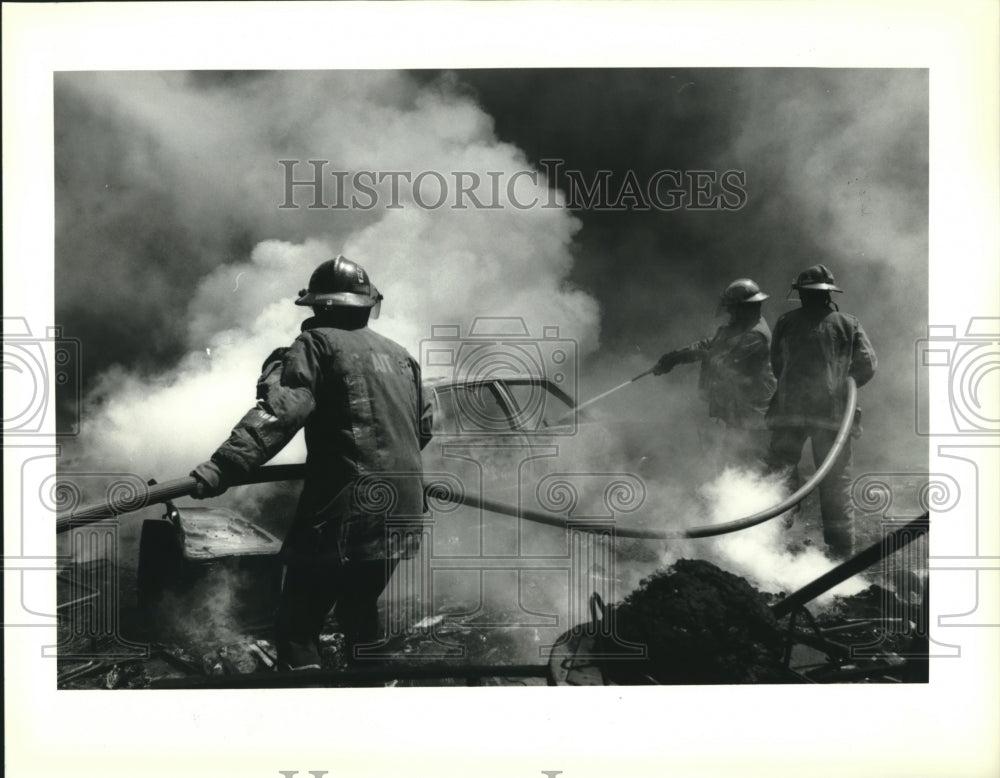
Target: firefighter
{"type": "Point", "coordinates": [735, 376]}
{"type": "Point", "coordinates": [358, 395]}
{"type": "Point", "coordinates": [815, 349]}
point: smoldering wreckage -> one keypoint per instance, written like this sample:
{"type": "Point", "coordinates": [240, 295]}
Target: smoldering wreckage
{"type": "Point", "coordinates": [208, 580]}
{"type": "Point", "coordinates": [370, 487]}
{"type": "Point", "coordinates": [498, 598]}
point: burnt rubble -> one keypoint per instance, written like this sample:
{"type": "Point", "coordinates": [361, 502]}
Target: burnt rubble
{"type": "Point", "coordinates": [700, 625]}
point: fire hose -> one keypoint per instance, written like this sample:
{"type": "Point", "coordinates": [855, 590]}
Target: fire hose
{"type": "Point", "coordinates": [602, 395]}
{"type": "Point", "coordinates": [182, 487]}
{"type": "Point", "coordinates": [162, 492]}
{"type": "Point", "coordinates": [708, 530]}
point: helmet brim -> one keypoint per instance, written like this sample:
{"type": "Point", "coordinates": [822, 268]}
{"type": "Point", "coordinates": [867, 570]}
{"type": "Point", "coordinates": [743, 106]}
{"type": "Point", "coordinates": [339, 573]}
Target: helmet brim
{"type": "Point", "coordinates": [345, 299]}
{"type": "Point", "coordinates": [819, 287]}
{"type": "Point", "coordinates": [757, 298]}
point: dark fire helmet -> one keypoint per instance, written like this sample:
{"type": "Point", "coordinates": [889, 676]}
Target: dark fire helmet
{"type": "Point", "coordinates": [742, 290]}
{"type": "Point", "coordinates": [340, 282]}
{"type": "Point", "coordinates": [817, 277]}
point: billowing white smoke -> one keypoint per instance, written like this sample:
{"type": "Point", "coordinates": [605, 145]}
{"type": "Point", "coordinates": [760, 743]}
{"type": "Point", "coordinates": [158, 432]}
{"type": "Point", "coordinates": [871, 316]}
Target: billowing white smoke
{"type": "Point", "coordinates": [434, 266]}
{"type": "Point", "coordinates": [206, 157]}
{"type": "Point", "coordinates": [762, 553]}
{"type": "Point", "coordinates": [774, 558]}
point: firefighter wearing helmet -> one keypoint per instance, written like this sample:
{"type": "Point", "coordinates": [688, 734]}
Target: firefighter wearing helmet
{"type": "Point", "coordinates": [358, 396]}
{"type": "Point", "coordinates": [814, 350]}
{"type": "Point", "coordinates": [735, 376]}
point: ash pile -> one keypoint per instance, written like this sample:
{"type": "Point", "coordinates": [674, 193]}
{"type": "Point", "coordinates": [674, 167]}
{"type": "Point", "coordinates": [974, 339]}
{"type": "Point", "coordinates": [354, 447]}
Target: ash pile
{"type": "Point", "coordinates": [699, 625]}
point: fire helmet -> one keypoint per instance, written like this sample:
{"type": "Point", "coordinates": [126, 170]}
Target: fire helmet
{"type": "Point", "coordinates": [742, 290]}
{"type": "Point", "coordinates": [817, 277]}
{"type": "Point", "coordinates": [340, 282]}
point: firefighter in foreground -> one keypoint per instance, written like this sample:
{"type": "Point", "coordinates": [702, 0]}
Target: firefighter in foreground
{"type": "Point", "coordinates": [358, 395]}
{"type": "Point", "coordinates": [735, 377]}
{"type": "Point", "coordinates": [814, 350]}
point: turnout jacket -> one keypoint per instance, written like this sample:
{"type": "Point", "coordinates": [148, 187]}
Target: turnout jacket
{"type": "Point", "coordinates": [812, 354]}
{"type": "Point", "coordinates": [735, 377]}
{"type": "Point", "coordinates": [358, 395]}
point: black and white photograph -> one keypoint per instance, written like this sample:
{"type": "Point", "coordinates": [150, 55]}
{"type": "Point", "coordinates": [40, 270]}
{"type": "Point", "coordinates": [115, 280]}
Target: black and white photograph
{"type": "Point", "coordinates": [354, 386]}
{"type": "Point", "coordinates": [483, 255]}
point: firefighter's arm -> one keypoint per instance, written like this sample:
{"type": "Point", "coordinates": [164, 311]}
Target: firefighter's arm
{"type": "Point", "coordinates": [692, 353]}
{"type": "Point", "coordinates": [864, 363]}
{"type": "Point", "coordinates": [286, 392]}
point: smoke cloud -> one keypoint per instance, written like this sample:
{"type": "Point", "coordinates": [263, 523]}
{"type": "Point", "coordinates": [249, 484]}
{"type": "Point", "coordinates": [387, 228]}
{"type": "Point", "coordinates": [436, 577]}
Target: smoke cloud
{"type": "Point", "coordinates": [188, 320]}
{"type": "Point", "coordinates": [177, 269]}
{"type": "Point", "coordinates": [836, 172]}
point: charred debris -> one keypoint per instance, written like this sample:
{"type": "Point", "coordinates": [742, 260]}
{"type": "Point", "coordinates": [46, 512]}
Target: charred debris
{"type": "Point", "coordinates": [691, 623]}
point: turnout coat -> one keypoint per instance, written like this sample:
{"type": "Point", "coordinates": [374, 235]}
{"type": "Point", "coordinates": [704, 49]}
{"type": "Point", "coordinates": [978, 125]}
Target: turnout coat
{"type": "Point", "coordinates": [812, 354]}
{"type": "Point", "coordinates": [358, 395]}
{"type": "Point", "coordinates": [735, 377]}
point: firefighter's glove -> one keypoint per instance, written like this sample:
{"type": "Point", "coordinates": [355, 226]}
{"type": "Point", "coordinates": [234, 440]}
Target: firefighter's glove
{"type": "Point", "coordinates": [666, 364]}
{"type": "Point", "coordinates": [209, 479]}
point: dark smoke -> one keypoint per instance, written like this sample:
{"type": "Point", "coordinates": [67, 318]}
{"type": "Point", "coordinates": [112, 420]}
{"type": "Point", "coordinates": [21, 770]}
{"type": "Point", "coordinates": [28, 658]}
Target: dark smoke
{"type": "Point", "coordinates": [176, 268]}
{"type": "Point", "coordinates": [163, 177]}
{"type": "Point", "coordinates": [836, 169]}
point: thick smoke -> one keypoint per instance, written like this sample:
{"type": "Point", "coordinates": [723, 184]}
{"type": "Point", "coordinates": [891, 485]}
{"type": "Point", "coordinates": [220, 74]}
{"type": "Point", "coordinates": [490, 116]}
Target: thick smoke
{"type": "Point", "coordinates": [849, 153]}
{"type": "Point", "coordinates": [177, 269]}
{"type": "Point", "coordinates": [197, 159]}
{"type": "Point", "coordinates": [836, 172]}
{"type": "Point", "coordinates": [761, 553]}
{"type": "Point", "coordinates": [836, 165]}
